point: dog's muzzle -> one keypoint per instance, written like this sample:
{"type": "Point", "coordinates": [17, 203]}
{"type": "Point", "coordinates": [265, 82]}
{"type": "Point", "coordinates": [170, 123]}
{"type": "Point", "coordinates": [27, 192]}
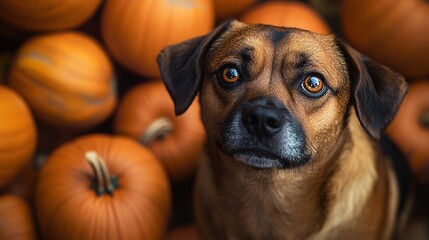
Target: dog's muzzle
{"type": "Point", "coordinates": [262, 133]}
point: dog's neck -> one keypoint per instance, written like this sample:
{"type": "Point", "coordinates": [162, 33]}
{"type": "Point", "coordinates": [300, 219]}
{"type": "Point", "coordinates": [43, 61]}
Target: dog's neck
{"type": "Point", "coordinates": [312, 201]}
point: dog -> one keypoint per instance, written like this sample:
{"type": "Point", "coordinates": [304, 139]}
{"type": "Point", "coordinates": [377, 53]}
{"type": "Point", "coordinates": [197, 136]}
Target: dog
{"type": "Point", "coordinates": [292, 121]}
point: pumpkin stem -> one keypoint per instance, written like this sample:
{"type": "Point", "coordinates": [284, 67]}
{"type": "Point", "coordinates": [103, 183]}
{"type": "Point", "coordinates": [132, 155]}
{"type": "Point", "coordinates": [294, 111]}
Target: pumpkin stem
{"type": "Point", "coordinates": [105, 182]}
{"type": "Point", "coordinates": [424, 119]}
{"type": "Point", "coordinates": [156, 130]}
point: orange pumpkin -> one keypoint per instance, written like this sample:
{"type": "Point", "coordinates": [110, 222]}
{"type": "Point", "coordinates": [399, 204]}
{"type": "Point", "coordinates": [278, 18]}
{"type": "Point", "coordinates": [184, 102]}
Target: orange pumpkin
{"type": "Point", "coordinates": [16, 222]}
{"type": "Point", "coordinates": [146, 113]}
{"type": "Point", "coordinates": [286, 14]}
{"type": "Point", "coordinates": [47, 14]}
{"type": "Point", "coordinates": [17, 135]}
{"type": "Point", "coordinates": [135, 31]}
{"type": "Point", "coordinates": [188, 232]}
{"type": "Point", "coordinates": [102, 187]}
{"type": "Point", "coordinates": [66, 78]}
{"type": "Point", "coordinates": [410, 128]}
{"type": "Point", "coordinates": [393, 32]}
{"type": "Point", "coordinates": [225, 8]}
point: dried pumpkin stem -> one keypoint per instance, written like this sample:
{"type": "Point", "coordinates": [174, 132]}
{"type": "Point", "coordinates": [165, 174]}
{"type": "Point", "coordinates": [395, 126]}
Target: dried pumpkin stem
{"type": "Point", "coordinates": [424, 119]}
{"type": "Point", "coordinates": [157, 129]}
{"type": "Point", "coordinates": [104, 179]}
{"type": "Point", "coordinates": [91, 156]}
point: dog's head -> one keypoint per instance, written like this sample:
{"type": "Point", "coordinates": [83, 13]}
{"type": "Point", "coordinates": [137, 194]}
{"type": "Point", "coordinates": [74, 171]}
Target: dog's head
{"type": "Point", "coordinates": [278, 97]}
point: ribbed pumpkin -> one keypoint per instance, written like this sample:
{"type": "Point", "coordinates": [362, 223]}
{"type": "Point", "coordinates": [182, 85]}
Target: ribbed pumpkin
{"type": "Point", "coordinates": [392, 32]}
{"type": "Point", "coordinates": [146, 113]}
{"type": "Point", "coordinates": [410, 128]}
{"type": "Point", "coordinates": [102, 187]}
{"type": "Point", "coordinates": [47, 14]}
{"type": "Point", "coordinates": [16, 222]}
{"type": "Point", "coordinates": [135, 31]}
{"type": "Point", "coordinates": [226, 8]}
{"type": "Point", "coordinates": [66, 78]}
{"type": "Point", "coordinates": [286, 14]}
{"type": "Point", "coordinates": [17, 135]}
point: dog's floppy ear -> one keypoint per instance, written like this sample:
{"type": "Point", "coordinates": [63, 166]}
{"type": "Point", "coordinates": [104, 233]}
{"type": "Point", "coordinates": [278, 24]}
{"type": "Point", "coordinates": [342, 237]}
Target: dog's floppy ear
{"type": "Point", "coordinates": [181, 67]}
{"type": "Point", "coordinates": [377, 91]}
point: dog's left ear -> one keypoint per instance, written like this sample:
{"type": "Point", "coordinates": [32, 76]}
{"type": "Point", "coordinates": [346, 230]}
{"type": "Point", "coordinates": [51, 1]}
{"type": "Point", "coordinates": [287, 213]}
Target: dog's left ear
{"type": "Point", "coordinates": [181, 66]}
{"type": "Point", "coordinates": [377, 91]}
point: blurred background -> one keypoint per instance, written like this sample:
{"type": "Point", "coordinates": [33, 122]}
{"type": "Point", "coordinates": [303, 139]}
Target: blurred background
{"type": "Point", "coordinates": [90, 147]}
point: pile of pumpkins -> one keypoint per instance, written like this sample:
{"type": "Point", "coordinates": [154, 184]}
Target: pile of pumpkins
{"type": "Point", "coordinates": [90, 147]}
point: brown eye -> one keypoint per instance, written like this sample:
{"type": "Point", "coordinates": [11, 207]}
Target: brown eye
{"type": "Point", "coordinates": [230, 75]}
{"type": "Point", "coordinates": [313, 85]}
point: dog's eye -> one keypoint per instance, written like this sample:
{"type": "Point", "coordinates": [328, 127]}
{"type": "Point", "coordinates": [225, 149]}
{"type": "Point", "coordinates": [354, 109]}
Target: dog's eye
{"type": "Point", "coordinates": [313, 85]}
{"type": "Point", "coordinates": [230, 75]}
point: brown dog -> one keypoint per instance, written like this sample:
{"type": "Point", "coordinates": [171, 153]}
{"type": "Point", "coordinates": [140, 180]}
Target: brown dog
{"type": "Point", "coordinates": [291, 120]}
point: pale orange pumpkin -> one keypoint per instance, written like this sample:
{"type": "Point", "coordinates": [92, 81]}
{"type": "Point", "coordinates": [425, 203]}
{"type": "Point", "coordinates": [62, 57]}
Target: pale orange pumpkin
{"type": "Point", "coordinates": [102, 187]}
{"type": "Point", "coordinates": [47, 14]}
{"type": "Point", "coordinates": [136, 31]}
{"type": "Point", "coordinates": [18, 135]}
{"type": "Point", "coordinates": [16, 221]}
{"type": "Point", "coordinates": [392, 32]}
{"type": "Point", "coordinates": [146, 113]}
{"type": "Point", "coordinates": [286, 14]}
{"type": "Point", "coordinates": [226, 8]}
{"type": "Point", "coordinates": [66, 78]}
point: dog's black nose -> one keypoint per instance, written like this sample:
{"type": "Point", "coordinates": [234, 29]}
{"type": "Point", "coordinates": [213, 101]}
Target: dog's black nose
{"type": "Point", "coordinates": [262, 120]}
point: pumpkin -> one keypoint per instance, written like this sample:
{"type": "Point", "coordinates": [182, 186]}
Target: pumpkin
{"type": "Point", "coordinates": [188, 232]}
{"type": "Point", "coordinates": [47, 14]}
{"type": "Point", "coordinates": [225, 9]}
{"type": "Point", "coordinates": [392, 32]}
{"type": "Point", "coordinates": [146, 113]}
{"type": "Point", "coordinates": [66, 78]}
{"type": "Point", "coordinates": [286, 14]}
{"type": "Point", "coordinates": [100, 186]}
{"type": "Point", "coordinates": [17, 135]}
{"type": "Point", "coordinates": [16, 222]}
{"type": "Point", "coordinates": [410, 127]}
{"type": "Point", "coordinates": [136, 31]}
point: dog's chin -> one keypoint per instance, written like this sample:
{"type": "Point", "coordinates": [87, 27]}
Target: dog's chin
{"type": "Point", "coordinates": [262, 159]}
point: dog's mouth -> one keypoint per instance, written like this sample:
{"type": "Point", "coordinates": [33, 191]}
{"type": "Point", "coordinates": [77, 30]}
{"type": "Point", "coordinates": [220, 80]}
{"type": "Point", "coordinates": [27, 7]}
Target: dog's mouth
{"type": "Point", "coordinates": [261, 158]}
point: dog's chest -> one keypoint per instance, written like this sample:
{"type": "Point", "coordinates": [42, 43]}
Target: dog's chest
{"type": "Point", "coordinates": [266, 209]}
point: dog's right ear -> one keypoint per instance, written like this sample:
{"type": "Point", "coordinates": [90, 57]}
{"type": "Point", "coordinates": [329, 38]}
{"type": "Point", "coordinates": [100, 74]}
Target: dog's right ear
{"type": "Point", "coordinates": [181, 66]}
